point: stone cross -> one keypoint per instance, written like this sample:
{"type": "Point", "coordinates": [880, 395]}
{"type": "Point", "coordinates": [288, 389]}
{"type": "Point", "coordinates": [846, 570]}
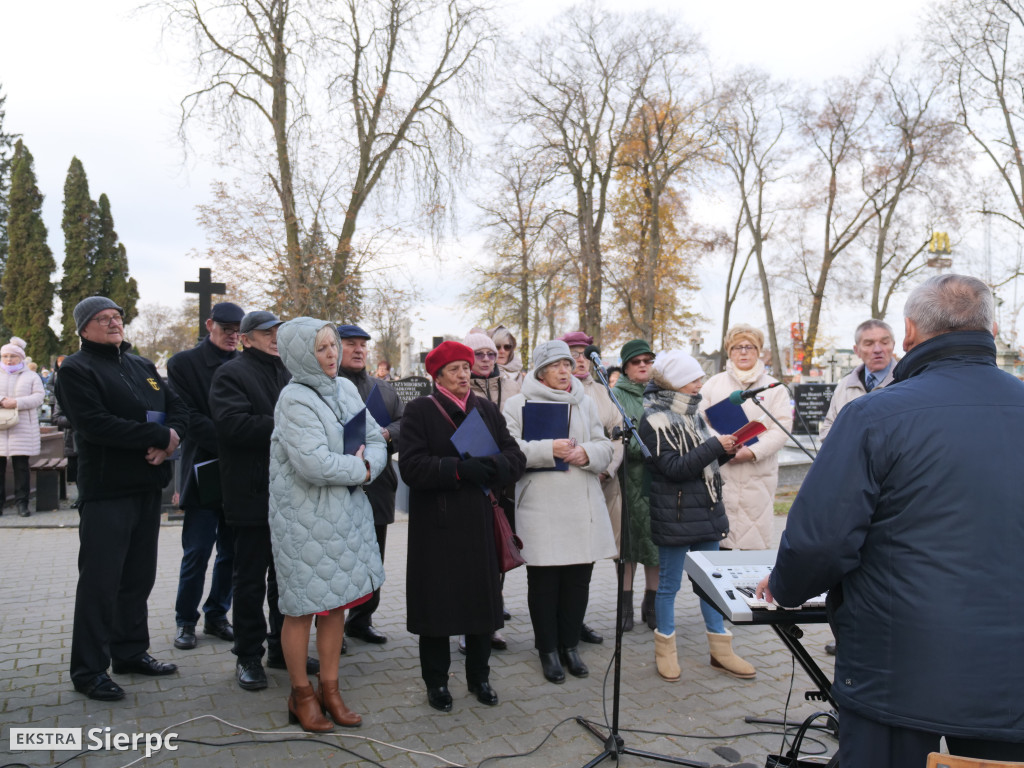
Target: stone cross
{"type": "Point", "coordinates": [205, 288]}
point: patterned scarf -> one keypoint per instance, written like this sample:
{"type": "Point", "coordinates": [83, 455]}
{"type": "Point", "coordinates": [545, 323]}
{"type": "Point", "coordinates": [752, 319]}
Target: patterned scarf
{"type": "Point", "coordinates": [676, 420]}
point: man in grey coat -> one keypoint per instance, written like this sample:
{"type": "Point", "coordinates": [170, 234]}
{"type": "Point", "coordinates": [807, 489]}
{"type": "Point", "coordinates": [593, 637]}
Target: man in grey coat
{"type": "Point", "coordinates": [873, 344]}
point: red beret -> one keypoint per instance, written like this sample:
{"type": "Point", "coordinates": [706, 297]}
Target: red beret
{"type": "Point", "coordinates": [444, 353]}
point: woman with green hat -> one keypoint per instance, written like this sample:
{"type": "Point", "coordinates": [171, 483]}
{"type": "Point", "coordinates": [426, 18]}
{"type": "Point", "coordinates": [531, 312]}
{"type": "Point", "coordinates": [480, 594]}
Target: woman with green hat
{"type": "Point", "coordinates": [637, 364]}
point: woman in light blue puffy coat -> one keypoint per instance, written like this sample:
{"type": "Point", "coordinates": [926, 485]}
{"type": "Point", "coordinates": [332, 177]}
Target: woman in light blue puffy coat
{"type": "Point", "coordinates": [321, 524]}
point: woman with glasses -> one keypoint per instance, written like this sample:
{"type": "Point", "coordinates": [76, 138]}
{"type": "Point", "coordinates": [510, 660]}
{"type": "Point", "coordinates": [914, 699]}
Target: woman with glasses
{"type": "Point", "coordinates": [637, 365]}
{"type": "Point", "coordinates": [21, 392]}
{"type": "Point", "coordinates": [505, 343]}
{"type": "Point", "coordinates": [753, 474]}
{"type": "Point", "coordinates": [561, 513]}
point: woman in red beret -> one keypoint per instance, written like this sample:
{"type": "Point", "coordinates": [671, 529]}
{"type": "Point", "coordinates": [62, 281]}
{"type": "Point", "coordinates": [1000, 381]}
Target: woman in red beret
{"type": "Point", "coordinates": [452, 575]}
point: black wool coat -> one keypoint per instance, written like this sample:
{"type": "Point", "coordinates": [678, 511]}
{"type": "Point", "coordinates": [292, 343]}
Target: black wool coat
{"type": "Point", "coordinates": [190, 373]}
{"type": "Point", "coordinates": [243, 394]}
{"type": "Point", "coordinates": [452, 582]}
{"type": "Point", "coordinates": [381, 492]}
{"type": "Point", "coordinates": [105, 392]}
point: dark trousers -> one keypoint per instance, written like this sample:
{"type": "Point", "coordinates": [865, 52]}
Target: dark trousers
{"type": "Point", "coordinates": [19, 468]}
{"type": "Point", "coordinates": [865, 743]}
{"type": "Point", "coordinates": [361, 616]}
{"type": "Point", "coordinates": [116, 571]}
{"type": "Point", "coordinates": [436, 659]}
{"type": "Point", "coordinates": [254, 581]}
{"type": "Point", "coordinates": [201, 530]}
{"type": "Point", "coordinates": [557, 596]}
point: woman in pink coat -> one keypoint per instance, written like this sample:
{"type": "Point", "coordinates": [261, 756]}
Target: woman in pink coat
{"type": "Point", "coordinates": [21, 390]}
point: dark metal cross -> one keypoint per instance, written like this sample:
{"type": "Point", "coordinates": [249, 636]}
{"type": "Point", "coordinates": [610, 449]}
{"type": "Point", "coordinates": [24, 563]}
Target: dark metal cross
{"type": "Point", "coordinates": [205, 289]}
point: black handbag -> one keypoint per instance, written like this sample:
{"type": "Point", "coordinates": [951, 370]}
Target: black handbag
{"type": "Point", "coordinates": [791, 759]}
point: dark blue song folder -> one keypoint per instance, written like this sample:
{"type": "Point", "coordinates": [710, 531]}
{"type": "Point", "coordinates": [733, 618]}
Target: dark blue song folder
{"type": "Point", "coordinates": [473, 438]}
{"type": "Point", "coordinates": [375, 405]}
{"type": "Point", "coordinates": [546, 421]}
{"type": "Point", "coordinates": [355, 432]}
{"type": "Point", "coordinates": [725, 417]}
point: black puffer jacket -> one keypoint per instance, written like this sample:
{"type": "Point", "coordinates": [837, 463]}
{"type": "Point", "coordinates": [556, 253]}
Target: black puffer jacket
{"type": "Point", "coordinates": [243, 394]}
{"type": "Point", "coordinates": [682, 510]}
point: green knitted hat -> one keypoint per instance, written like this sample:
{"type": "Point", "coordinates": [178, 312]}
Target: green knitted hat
{"type": "Point", "coordinates": [633, 348]}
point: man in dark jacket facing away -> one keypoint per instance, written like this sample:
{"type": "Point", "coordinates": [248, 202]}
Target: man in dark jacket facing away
{"type": "Point", "coordinates": [912, 517]}
{"type": "Point", "coordinates": [243, 394]}
{"type": "Point", "coordinates": [190, 373]}
{"type": "Point", "coordinates": [127, 423]}
{"type": "Point", "coordinates": [381, 492]}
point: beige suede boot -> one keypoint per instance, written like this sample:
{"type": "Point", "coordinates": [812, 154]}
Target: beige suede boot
{"type": "Point", "coordinates": [723, 658]}
{"type": "Point", "coordinates": [666, 656]}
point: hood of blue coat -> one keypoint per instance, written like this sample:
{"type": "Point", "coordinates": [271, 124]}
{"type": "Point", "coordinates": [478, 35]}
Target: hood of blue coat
{"type": "Point", "coordinates": [296, 343]}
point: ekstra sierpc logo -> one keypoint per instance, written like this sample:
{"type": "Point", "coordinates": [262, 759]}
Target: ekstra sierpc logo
{"type": "Point", "coordinates": [70, 739]}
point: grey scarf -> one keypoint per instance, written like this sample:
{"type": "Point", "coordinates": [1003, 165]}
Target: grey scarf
{"type": "Point", "coordinates": [675, 419]}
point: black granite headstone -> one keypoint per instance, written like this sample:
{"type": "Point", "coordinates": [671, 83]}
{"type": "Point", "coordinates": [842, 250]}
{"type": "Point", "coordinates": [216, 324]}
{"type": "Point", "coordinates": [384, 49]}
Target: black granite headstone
{"type": "Point", "coordinates": [412, 387]}
{"type": "Point", "coordinates": [811, 403]}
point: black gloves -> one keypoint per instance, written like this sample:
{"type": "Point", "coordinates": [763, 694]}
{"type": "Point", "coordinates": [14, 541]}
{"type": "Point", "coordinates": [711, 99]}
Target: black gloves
{"type": "Point", "coordinates": [476, 471]}
{"type": "Point", "coordinates": [502, 471]}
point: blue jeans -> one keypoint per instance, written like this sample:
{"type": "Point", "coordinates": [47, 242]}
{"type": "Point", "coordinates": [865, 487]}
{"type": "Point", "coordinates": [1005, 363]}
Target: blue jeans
{"type": "Point", "coordinates": [202, 529]}
{"type": "Point", "coordinates": [669, 578]}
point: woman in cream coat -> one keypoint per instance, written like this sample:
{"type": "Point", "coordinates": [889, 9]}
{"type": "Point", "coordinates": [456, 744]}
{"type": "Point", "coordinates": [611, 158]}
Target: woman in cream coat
{"type": "Point", "coordinates": [753, 474]}
{"type": "Point", "coordinates": [561, 516]}
{"type": "Point", "coordinates": [20, 390]}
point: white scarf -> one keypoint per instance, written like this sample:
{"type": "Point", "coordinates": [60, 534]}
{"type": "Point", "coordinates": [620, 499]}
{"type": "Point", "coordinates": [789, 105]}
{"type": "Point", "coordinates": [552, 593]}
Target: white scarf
{"type": "Point", "coordinates": [746, 378]}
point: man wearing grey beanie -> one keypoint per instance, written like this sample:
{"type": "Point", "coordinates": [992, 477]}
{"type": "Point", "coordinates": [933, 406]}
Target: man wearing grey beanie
{"type": "Point", "coordinates": [127, 424]}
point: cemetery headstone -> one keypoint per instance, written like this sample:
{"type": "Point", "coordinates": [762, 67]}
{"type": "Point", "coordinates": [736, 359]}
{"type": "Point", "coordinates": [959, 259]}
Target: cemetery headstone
{"type": "Point", "coordinates": [811, 403]}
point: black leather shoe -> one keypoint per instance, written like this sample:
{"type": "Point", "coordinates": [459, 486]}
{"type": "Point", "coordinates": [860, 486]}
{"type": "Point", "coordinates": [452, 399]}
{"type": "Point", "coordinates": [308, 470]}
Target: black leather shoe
{"type": "Point", "coordinates": [439, 698]}
{"type": "Point", "coordinates": [573, 662]}
{"type": "Point", "coordinates": [830, 648]}
{"type": "Point", "coordinates": [367, 634]}
{"type": "Point", "coordinates": [462, 644]}
{"type": "Point", "coordinates": [101, 688]}
{"type": "Point", "coordinates": [144, 665]}
{"type": "Point", "coordinates": [587, 635]}
{"type": "Point", "coordinates": [344, 646]}
{"type": "Point", "coordinates": [552, 667]}
{"type": "Point", "coordinates": [185, 640]}
{"type": "Point", "coordinates": [221, 629]}
{"type": "Point", "coordinates": [505, 614]}
{"type": "Point", "coordinates": [484, 693]}
{"type": "Point", "coordinates": [251, 675]}
{"type": "Point", "coordinates": [277, 662]}
{"type": "Point", "coordinates": [498, 642]}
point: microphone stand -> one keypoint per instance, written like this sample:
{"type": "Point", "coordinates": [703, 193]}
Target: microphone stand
{"type": "Point", "coordinates": [796, 442]}
{"type": "Point", "coordinates": [614, 744]}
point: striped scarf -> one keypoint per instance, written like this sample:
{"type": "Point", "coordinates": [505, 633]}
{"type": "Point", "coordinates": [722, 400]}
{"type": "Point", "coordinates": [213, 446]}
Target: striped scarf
{"type": "Point", "coordinates": [675, 419]}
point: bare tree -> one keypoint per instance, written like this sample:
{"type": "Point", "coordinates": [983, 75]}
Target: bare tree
{"type": "Point", "coordinates": [324, 101]}
{"type": "Point", "coordinates": [518, 213]}
{"type": "Point", "coordinates": [751, 134]}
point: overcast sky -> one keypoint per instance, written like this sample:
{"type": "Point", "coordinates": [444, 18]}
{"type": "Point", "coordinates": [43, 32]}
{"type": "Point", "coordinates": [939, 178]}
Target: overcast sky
{"type": "Point", "coordinates": [98, 81]}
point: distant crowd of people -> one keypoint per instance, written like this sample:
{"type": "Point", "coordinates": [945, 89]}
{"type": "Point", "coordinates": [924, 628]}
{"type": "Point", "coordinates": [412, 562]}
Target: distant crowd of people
{"type": "Point", "coordinates": [287, 470]}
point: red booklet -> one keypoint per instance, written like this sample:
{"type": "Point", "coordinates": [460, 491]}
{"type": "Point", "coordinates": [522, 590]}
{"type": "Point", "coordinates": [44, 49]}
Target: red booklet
{"type": "Point", "coordinates": [749, 431]}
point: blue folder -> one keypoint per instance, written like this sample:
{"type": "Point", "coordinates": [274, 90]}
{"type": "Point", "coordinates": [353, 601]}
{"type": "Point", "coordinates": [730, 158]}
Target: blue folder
{"type": "Point", "coordinates": [546, 421]}
{"type": "Point", "coordinates": [355, 432]}
{"type": "Point", "coordinates": [726, 417]}
{"type": "Point", "coordinates": [375, 405]}
{"type": "Point", "coordinates": [473, 438]}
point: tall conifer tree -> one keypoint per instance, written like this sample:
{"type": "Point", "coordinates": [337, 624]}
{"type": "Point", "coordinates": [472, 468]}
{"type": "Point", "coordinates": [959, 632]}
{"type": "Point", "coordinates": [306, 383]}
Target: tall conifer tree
{"type": "Point", "coordinates": [6, 156]}
{"type": "Point", "coordinates": [80, 226]}
{"type": "Point", "coordinates": [26, 281]}
{"type": "Point", "coordinates": [110, 272]}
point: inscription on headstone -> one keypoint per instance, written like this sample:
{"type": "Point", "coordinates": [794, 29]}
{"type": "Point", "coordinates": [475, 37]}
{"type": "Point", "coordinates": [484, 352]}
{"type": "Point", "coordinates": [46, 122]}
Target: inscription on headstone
{"type": "Point", "coordinates": [811, 403]}
{"type": "Point", "coordinates": [412, 387]}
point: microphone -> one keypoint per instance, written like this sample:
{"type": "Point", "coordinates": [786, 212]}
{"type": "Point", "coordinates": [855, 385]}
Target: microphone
{"type": "Point", "coordinates": [593, 353]}
{"type": "Point", "coordinates": [737, 397]}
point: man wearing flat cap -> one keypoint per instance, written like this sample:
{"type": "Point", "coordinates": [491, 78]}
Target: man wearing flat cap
{"type": "Point", "coordinates": [243, 394]}
{"type": "Point", "coordinates": [381, 492]}
{"type": "Point", "coordinates": [190, 374]}
{"type": "Point", "coordinates": [127, 423]}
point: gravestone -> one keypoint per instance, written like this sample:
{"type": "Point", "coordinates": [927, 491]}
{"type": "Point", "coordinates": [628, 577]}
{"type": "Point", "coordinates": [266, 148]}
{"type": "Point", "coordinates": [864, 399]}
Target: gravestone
{"type": "Point", "coordinates": [411, 387]}
{"type": "Point", "coordinates": [811, 403]}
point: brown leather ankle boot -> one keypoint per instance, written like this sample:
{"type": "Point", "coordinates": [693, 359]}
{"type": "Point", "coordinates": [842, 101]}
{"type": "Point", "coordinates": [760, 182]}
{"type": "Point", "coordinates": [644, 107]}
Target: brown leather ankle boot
{"type": "Point", "coordinates": [304, 709]}
{"type": "Point", "coordinates": [330, 699]}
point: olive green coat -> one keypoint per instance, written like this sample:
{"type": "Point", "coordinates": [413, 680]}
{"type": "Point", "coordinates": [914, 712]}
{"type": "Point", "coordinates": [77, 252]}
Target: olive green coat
{"type": "Point", "coordinates": [638, 548]}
